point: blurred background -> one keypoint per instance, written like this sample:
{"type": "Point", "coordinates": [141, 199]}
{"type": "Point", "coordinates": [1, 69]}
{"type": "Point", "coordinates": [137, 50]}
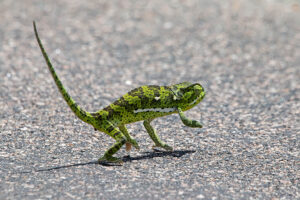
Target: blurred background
{"type": "Point", "coordinates": [244, 53]}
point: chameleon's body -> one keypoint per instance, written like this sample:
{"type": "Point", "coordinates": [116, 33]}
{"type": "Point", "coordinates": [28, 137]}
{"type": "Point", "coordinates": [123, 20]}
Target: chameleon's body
{"type": "Point", "coordinates": [143, 103]}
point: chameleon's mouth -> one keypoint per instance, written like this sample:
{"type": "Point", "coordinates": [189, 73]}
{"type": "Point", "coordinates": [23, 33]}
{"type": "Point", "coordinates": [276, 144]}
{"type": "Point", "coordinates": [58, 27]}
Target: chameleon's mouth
{"type": "Point", "coordinates": [198, 99]}
{"type": "Point", "coordinates": [193, 102]}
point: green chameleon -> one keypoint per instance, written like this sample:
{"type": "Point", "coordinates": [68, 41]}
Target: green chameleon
{"type": "Point", "coordinates": [143, 103]}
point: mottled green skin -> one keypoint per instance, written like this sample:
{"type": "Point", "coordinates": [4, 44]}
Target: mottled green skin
{"type": "Point", "coordinates": [143, 103]}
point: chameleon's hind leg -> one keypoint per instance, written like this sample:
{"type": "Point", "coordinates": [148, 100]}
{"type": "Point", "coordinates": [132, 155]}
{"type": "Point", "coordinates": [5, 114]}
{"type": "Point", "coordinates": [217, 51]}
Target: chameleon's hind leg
{"type": "Point", "coordinates": [188, 122]}
{"type": "Point", "coordinates": [130, 140]}
{"type": "Point", "coordinates": [120, 141]}
{"type": "Point", "coordinates": [152, 133]}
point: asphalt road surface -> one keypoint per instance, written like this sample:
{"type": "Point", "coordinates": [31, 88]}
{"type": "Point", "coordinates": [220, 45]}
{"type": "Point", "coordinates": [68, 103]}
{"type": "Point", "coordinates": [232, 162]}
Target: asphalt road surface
{"type": "Point", "coordinates": [245, 54]}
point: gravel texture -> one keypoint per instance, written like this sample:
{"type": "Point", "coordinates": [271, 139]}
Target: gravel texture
{"type": "Point", "coordinates": [245, 53]}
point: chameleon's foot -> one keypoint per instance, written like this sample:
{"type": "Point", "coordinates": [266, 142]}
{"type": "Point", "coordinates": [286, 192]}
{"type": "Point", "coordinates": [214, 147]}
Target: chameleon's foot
{"type": "Point", "coordinates": [109, 159]}
{"type": "Point", "coordinates": [197, 124]}
{"type": "Point", "coordinates": [188, 122]}
{"type": "Point", "coordinates": [164, 146]}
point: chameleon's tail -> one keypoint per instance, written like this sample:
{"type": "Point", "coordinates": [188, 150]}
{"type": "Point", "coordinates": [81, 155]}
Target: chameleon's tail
{"type": "Point", "coordinates": [79, 112]}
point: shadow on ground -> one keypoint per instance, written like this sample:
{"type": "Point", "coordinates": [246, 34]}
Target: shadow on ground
{"type": "Point", "coordinates": [147, 155]}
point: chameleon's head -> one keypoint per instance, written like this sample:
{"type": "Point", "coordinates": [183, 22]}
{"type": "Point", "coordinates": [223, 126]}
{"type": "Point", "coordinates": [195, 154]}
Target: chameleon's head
{"type": "Point", "coordinates": [187, 94]}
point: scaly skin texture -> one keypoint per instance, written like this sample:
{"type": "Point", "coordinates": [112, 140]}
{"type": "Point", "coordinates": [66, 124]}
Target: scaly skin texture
{"type": "Point", "coordinates": [143, 103]}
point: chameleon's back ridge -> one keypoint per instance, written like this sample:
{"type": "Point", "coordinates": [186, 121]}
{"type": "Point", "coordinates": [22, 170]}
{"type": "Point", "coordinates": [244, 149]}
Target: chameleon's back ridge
{"type": "Point", "coordinates": [144, 103]}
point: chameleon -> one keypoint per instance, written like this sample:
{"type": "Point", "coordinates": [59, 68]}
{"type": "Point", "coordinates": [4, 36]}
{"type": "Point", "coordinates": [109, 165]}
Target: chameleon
{"type": "Point", "coordinates": [142, 103]}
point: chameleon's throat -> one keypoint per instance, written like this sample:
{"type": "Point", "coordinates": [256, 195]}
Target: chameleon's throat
{"type": "Point", "coordinates": [195, 101]}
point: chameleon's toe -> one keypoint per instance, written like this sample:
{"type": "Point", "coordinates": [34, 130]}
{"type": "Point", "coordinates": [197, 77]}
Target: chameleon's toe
{"type": "Point", "coordinates": [164, 146]}
{"type": "Point", "coordinates": [167, 147]}
{"type": "Point", "coordinates": [109, 159]}
{"type": "Point", "coordinates": [197, 124]}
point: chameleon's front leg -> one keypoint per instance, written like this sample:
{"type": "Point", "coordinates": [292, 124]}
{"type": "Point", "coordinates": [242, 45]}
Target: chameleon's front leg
{"type": "Point", "coordinates": [130, 140]}
{"type": "Point", "coordinates": [188, 122]}
{"type": "Point", "coordinates": [152, 133]}
{"type": "Point", "coordinates": [120, 141]}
